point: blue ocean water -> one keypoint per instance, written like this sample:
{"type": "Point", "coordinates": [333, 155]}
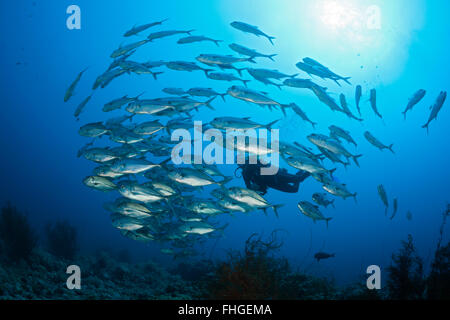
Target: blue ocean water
{"type": "Point", "coordinates": [41, 174]}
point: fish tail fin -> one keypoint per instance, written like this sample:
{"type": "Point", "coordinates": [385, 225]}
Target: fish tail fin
{"type": "Point", "coordinates": [208, 103]}
{"type": "Point", "coordinates": [239, 71]}
{"type": "Point", "coordinates": [390, 148]}
{"type": "Point", "coordinates": [332, 171]}
{"type": "Point", "coordinates": [327, 220]}
{"type": "Point", "coordinates": [355, 159]}
{"type": "Point", "coordinates": [278, 85]}
{"type": "Point", "coordinates": [222, 229]}
{"type": "Point", "coordinates": [164, 162]}
{"type": "Point", "coordinates": [245, 82]}
{"type": "Point", "coordinates": [251, 59]}
{"type": "Point", "coordinates": [169, 204]}
{"type": "Point", "coordinates": [294, 75]}
{"type": "Point", "coordinates": [270, 56]}
{"type": "Point", "coordinates": [270, 39]}
{"type": "Point", "coordinates": [139, 95]}
{"type": "Point", "coordinates": [207, 70]}
{"type": "Point", "coordinates": [314, 124]}
{"type": "Point", "coordinates": [269, 125]}
{"type": "Point", "coordinates": [217, 42]}
{"type": "Point", "coordinates": [190, 31]}
{"type": "Point", "coordinates": [346, 80]}
{"type": "Point", "coordinates": [224, 181]}
{"type": "Point", "coordinates": [223, 96]}
{"type": "Point", "coordinates": [275, 208]}
{"type": "Point", "coordinates": [426, 126]}
{"type": "Point", "coordinates": [155, 74]}
{"type": "Point", "coordinates": [404, 115]}
{"type": "Point", "coordinates": [354, 197]}
{"type": "Point", "coordinates": [283, 108]}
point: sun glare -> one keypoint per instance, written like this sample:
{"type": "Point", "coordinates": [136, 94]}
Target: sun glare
{"type": "Point", "coordinates": [339, 15]}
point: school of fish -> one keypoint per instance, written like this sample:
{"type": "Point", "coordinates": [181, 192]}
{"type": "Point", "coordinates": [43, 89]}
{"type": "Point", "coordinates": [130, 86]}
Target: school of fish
{"type": "Point", "coordinates": [163, 202]}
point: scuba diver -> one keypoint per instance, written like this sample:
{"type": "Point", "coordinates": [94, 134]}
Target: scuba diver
{"type": "Point", "coordinates": [282, 181]}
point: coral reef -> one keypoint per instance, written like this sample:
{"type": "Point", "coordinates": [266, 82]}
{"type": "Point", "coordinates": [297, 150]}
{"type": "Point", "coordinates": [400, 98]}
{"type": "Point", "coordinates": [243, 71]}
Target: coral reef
{"type": "Point", "coordinates": [438, 283]}
{"type": "Point", "coordinates": [102, 277]}
{"type": "Point", "coordinates": [61, 239]}
{"type": "Point", "coordinates": [258, 272]}
{"type": "Point", "coordinates": [17, 238]}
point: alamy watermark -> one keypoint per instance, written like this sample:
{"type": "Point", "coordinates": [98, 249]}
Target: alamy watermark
{"type": "Point", "coordinates": [74, 20]}
{"type": "Point", "coordinates": [74, 280]}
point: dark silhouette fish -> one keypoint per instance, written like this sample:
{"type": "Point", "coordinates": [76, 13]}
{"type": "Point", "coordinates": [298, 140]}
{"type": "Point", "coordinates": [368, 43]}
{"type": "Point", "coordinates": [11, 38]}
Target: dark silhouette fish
{"type": "Point", "coordinates": [358, 93]}
{"type": "Point", "coordinates": [373, 102]}
{"type": "Point", "coordinates": [415, 99]}
{"type": "Point", "coordinates": [436, 108]}
{"type": "Point", "coordinates": [383, 197]}
{"type": "Point", "coordinates": [245, 27]}
{"type": "Point", "coordinates": [375, 142]}
{"type": "Point", "coordinates": [71, 89]}
{"type": "Point", "coordinates": [395, 204]}
{"type": "Point", "coordinates": [323, 255]}
{"type": "Point", "coordinates": [136, 29]}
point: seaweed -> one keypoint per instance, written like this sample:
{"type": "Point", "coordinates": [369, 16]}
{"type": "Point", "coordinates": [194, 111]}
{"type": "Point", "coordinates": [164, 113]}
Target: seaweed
{"type": "Point", "coordinates": [62, 239]}
{"type": "Point", "coordinates": [406, 279]}
{"type": "Point", "coordinates": [256, 273]}
{"type": "Point", "coordinates": [438, 282]}
{"type": "Point", "coordinates": [253, 274]}
{"type": "Point", "coordinates": [17, 237]}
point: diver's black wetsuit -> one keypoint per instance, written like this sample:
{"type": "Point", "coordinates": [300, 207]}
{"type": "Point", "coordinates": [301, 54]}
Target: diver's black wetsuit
{"type": "Point", "coordinates": [282, 181]}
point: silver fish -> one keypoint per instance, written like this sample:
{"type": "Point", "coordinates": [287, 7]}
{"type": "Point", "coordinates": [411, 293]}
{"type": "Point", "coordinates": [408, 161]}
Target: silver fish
{"type": "Point", "coordinates": [375, 142]}
{"type": "Point", "coordinates": [268, 73]}
{"type": "Point", "coordinates": [373, 102]}
{"type": "Point", "coordinates": [81, 106]}
{"type": "Point", "coordinates": [233, 123]}
{"type": "Point", "coordinates": [245, 27]}
{"type": "Point", "coordinates": [436, 108]}
{"type": "Point", "coordinates": [225, 77]}
{"type": "Point", "coordinates": [99, 183]}
{"type": "Point", "coordinates": [338, 189]}
{"type": "Point", "coordinates": [332, 145]}
{"type": "Point", "coordinates": [415, 99]}
{"type": "Point", "coordinates": [302, 114]}
{"type": "Point", "coordinates": [122, 50]}
{"type": "Point", "coordinates": [383, 197]}
{"type": "Point", "coordinates": [71, 89]}
{"type": "Point", "coordinates": [321, 199]}
{"type": "Point", "coordinates": [358, 93]}
{"type": "Point", "coordinates": [192, 39]}
{"type": "Point", "coordinates": [205, 92]}
{"type": "Point", "coordinates": [93, 130]}
{"type": "Point", "coordinates": [163, 34]}
{"type": "Point", "coordinates": [249, 52]}
{"type": "Point", "coordinates": [137, 29]}
{"type": "Point", "coordinates": [337, 132]}
{"type": "Point", "coordinates": [312, 211]}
